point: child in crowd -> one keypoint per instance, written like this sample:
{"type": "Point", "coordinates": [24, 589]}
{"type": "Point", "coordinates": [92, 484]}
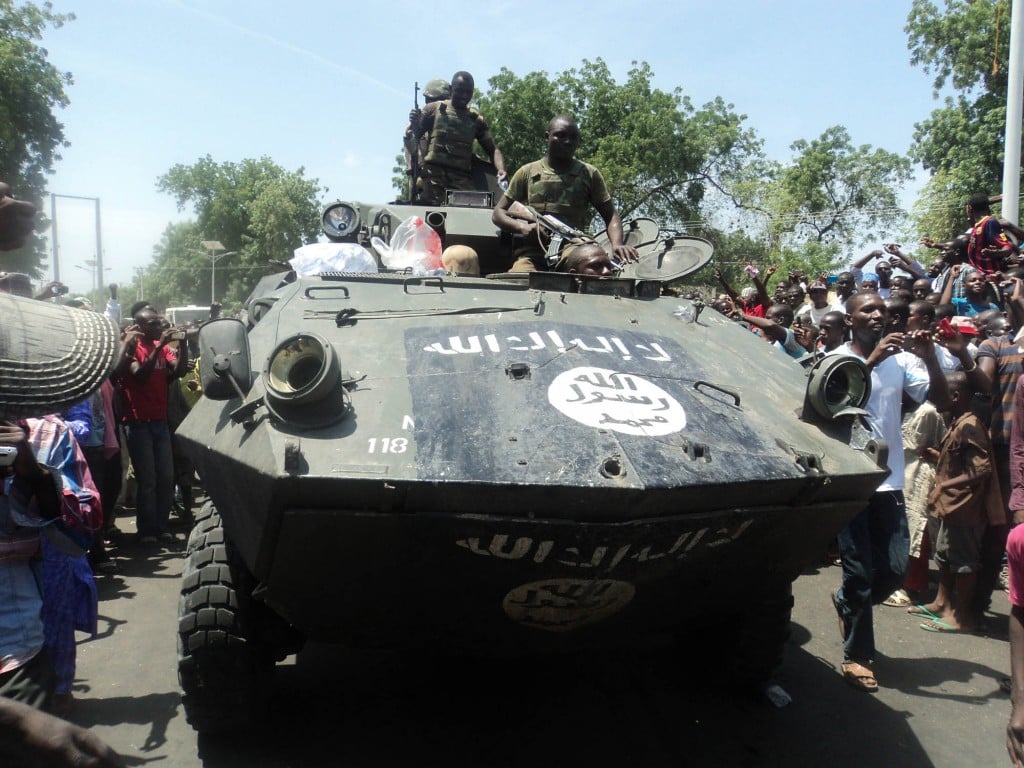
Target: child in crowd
{"type": "Point", "coordinates": [957, 512]}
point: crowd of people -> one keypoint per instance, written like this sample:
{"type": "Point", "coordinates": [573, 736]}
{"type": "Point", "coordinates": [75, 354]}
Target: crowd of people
{"type": "Point", "coordinates": [88, 389]}
{"type": "Point", "coordinates": [942, 343]}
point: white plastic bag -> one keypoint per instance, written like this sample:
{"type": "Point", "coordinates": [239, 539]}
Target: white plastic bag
{"type": "Point", "coordinates": [315, 258]}
{"type": "Point", "coordinates": [414, 245]}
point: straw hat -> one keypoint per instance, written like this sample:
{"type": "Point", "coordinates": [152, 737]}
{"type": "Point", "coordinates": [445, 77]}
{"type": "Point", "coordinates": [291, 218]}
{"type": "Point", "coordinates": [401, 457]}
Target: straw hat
{"type": "Point", "coordinates": [51, 356]}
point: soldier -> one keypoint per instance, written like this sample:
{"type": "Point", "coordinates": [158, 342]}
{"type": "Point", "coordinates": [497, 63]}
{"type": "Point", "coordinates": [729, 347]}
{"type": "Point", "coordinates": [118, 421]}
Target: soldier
{"type": "Point", "coordinates": [586, 259]}
{"type": "Point", "coordinates": [564, 187]}
{"type": "Point", "coordinates": [435, 90]}
{"type": "Point", "coordinates": [449, 127]}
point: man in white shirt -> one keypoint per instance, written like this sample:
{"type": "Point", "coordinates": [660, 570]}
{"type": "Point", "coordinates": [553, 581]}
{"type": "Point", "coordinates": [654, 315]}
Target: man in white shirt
{"type": "Point", "coordinates": [875, 545]}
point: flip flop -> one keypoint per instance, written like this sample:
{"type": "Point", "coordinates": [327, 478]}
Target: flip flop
{"type": "Point", "coordinates": [920, 610]}
{"type": "Point", "coordinates": [938, 625]}
{"type": "Point", "coordinates": [859, 676]}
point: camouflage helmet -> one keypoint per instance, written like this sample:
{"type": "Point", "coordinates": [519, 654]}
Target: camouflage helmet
{"type": "Point", "coordinates": [437, 89]}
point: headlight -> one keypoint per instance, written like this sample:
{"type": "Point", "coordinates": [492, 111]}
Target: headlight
{"type": "Point", "coordinates": [837, 383]}
{"type": "Point", "coordinates": [302, 378]}
{"type": "Point", "coordinates": [340, 221]}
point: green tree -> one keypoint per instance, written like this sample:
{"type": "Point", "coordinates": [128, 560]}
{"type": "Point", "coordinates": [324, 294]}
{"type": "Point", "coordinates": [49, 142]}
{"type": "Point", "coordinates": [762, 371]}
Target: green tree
{"type": "Point", "coordinates": [833, 192]}
{"type": "Point", "coordinates": [733, 250]}
{"type": "Point", "coordinates": [965, 46]}
{"type": "Point", "coordinates": [255, 208]}
{"type": "Point", "coordinates": [179, 273]}
{"type": "Point", "coordinates": [31, 89]}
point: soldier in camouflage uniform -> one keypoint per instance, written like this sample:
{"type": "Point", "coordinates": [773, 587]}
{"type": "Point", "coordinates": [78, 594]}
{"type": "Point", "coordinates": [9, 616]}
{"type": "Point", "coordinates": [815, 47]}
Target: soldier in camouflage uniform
{"type": "Point", "coordinates": [450, 126]}
{"type": "Point", "coordinates": [435, 90]}
{"type": "Point", "coordinates": [564, 187]}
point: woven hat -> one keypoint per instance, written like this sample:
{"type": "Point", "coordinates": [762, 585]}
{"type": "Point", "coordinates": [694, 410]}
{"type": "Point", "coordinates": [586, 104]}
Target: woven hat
{"type": "Point", "coordinates": [51, 356]}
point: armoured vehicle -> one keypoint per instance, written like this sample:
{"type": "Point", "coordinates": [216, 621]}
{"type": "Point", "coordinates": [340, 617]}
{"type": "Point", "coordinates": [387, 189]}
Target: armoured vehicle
{"type": "Point", "coordinates": [501, 464]}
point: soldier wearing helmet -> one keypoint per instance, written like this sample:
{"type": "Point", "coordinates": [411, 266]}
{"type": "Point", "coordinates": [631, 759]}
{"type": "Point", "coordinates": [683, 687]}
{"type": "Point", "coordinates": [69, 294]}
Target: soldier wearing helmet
{"type": "Point", "coordinates": [435, 90]}
{"type": "Point", "coordinates": [450, 126]}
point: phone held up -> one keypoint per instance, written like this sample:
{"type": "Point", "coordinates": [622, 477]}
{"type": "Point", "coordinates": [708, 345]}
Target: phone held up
{"type": "Point", "coordinates": [8, 453]}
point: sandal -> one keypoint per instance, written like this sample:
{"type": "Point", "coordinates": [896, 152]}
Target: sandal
{"type": "Point", "coordinates": [898, 599]}
{"type": "Point", "coordinates": [920, 610]}
{"type": "Point", "coordinates": [859, 676]}
{"type": "Point", "coordinates": [938, 625]}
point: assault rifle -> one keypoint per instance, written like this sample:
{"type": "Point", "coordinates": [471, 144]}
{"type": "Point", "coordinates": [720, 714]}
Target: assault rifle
{"type": "Point", "coordinates": [558, 231]}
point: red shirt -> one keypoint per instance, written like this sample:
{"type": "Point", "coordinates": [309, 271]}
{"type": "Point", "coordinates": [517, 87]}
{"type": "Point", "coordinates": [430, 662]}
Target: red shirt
{"type": "Point", "coordinates": [987, 232]}
{"type": "Point", "coordinates": [147, 401]}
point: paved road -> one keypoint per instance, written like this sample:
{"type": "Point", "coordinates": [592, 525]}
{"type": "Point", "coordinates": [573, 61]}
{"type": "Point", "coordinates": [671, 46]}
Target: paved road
{"type": "Point", "coordinates": [940, 704]}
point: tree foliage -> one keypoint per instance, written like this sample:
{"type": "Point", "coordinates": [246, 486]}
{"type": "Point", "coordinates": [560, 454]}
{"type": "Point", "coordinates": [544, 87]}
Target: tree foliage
{"type": "Point", "coordinates": [658, 153]}
{"type": "Point", "coordinates": [254, 207]}
{"type": "Point", "coordinates": [833, 192]}
{"type": "Point", "coordinates": [175, 276]}
{"type": "Point", "coordinates": [965, 46]}
{"type": "Point", "coordinates": [31, 89]}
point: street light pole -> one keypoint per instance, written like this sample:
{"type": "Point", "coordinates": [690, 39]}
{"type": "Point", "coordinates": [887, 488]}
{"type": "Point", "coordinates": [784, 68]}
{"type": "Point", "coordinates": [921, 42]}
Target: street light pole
{"type": "Point", "coordinates": [213, 246]}
{"type": "Point", "coordinates": [1014, 111]}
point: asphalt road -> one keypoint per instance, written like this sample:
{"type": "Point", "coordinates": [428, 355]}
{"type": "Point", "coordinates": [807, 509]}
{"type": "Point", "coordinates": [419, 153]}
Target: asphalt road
{"type": "Point", "coordinates": [939, 705]}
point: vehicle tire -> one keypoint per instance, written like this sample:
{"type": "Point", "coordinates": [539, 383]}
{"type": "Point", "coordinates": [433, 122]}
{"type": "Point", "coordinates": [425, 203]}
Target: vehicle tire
{"type": "Point", "coordinates": [761, 637]}
{"type": "Point", "coordinates": [224, 669]}
{"type": "Point", "coordinates": [746, 648]}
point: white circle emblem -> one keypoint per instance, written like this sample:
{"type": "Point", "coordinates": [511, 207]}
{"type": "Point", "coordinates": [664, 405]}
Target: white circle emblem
{"type": "Point", "coordinates": [561, 605]}
{"type": "Point", "coordinates": [623, 402]}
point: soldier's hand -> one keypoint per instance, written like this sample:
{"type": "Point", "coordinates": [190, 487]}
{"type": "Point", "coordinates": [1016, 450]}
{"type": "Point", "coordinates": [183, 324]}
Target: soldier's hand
{"type": "Point", "coordinates": [414, 120]}
{"type": "Point", "coordinates": [626, 253]}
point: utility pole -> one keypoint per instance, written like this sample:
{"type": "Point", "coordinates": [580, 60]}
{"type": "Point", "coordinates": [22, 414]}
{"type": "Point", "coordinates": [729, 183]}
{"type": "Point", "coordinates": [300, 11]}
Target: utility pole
{"type": "Point", "coordinates": [1011, 152]}
{"type": "Point", "coordinates": [56, 242]}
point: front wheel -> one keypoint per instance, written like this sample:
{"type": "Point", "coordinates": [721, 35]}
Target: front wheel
{"type": "Point", "coordinates": [746, 646]}
{"type": "Point", "coordinates": [226, 673]}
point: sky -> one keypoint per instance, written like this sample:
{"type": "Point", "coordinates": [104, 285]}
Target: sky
{"type": "Point", "coordinates": [327, 86]}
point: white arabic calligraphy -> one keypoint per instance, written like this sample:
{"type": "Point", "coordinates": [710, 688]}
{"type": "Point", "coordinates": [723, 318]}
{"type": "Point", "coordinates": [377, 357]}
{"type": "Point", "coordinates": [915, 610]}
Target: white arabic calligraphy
{"type": "Point", "coordinates": [623, 402]}
{"type": "Point", "coordinates": [535, 340]}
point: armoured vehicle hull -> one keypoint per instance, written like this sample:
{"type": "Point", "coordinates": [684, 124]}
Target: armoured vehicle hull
{"type": "Point", "coordinates": [501, 466]}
